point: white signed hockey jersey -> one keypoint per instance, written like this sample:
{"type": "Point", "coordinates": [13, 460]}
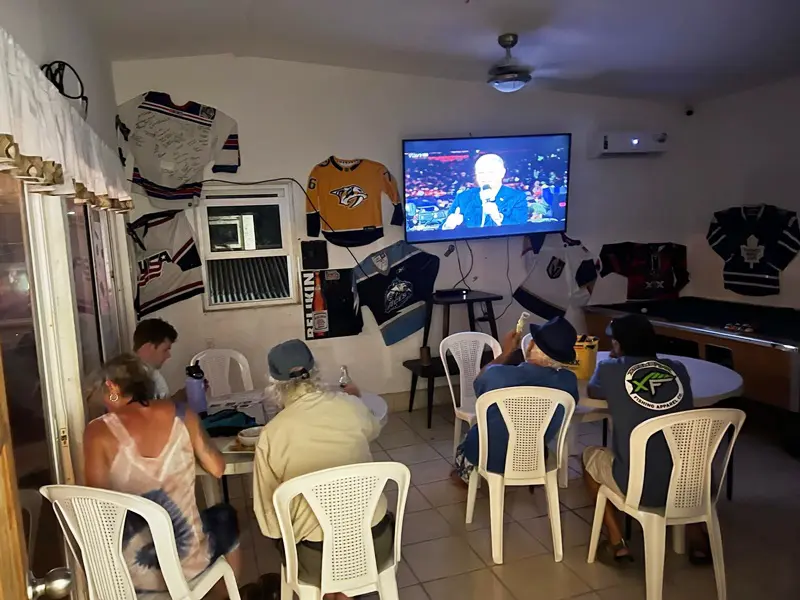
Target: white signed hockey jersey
{"type": "Point", "coordinates": [167, 259]}
{"type": "Point", "coordinates": [561, 272]}
{"type": "Point", "coordinates": [757, 243]}
{"type": "Point", "coordinates": [165, 148]}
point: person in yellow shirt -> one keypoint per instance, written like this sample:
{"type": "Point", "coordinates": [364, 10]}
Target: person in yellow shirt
{"type": "Point", "coordinates": [318, 428]}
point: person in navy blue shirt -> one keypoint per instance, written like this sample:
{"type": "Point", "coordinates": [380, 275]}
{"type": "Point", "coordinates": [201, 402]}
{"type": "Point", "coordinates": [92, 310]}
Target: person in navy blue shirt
{"type": "Point", "coordinates": [552, 345]}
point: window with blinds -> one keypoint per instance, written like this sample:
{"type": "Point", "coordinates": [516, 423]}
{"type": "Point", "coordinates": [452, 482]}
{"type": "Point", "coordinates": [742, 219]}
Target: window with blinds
{"type": "Point", "coordinates": [246, 236]}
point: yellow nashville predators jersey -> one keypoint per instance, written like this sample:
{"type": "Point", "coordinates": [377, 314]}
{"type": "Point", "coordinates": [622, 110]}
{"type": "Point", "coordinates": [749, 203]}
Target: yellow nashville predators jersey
{"type": "Point", "coordinates": [344, 201]}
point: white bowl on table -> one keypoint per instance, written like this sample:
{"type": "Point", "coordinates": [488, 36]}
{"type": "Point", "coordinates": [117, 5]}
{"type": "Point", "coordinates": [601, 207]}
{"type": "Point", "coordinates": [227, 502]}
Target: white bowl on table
{"type": "Point", "coordinates": [249, 437]}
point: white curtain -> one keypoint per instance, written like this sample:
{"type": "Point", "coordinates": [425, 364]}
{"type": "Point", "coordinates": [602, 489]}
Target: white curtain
{"type": "Point", "coordinates": [46, 143]}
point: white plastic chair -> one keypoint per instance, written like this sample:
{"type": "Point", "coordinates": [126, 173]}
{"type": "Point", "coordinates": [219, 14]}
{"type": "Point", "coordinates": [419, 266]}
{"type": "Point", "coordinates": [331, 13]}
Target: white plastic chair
{"type": "Point", "coordinates": [343, 499]}
{"type": "Point", "coordinates": [94, 519]}
{"type": "Point", "coordinates": [527, 412]}
{"type": "Point", "coordinates": [467, 350]}
{"type": "Point", "coordinates": [31, 502]}
{"type": "Point", "coordinates": [216, 364]}
{"type": "Point", "coordinates": [693, 438]}
{"type": "Point", "coordinates": [581, 415]}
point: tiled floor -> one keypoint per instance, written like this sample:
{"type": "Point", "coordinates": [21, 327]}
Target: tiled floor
{"type": "Point", "coordinates": [444, 559]}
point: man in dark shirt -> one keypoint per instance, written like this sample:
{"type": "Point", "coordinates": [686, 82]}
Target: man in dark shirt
{"type": "Point", "coordinates": [491, 204]}
{"type": "Point", "coordinates": [638, 386]}
{"type": "Point", "coordinates": [552, 345]}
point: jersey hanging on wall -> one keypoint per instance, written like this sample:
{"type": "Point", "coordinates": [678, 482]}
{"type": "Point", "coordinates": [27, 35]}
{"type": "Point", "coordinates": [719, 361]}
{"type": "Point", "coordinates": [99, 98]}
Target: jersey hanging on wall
{"type": "Point", "coordinates": [561, 272]}
{"type": "Point", "coordinates": [330, 305]}
{"type": "Point", "coordinates": [344, 201]}
{"type": "Point", "coordinates": [757, 243]}
{"type": "Point", "coordinates": [167, 259]}
{"type": "Point", "coordinates": [165, 148]}
{"type": "Point", "coordinates": [654, 271]}
{"type": "Point", "coordinates": [394, 284]}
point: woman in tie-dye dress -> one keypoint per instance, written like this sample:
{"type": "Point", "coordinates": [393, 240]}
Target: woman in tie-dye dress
{"type": "Point", "coordinates": [149, 448]}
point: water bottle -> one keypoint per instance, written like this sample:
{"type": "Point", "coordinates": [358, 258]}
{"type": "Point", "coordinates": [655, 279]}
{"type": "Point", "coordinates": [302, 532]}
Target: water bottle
{"type": "Point", "coordinates": [196, 388]}
{"type": "Point", "coordinates": [344, 379]}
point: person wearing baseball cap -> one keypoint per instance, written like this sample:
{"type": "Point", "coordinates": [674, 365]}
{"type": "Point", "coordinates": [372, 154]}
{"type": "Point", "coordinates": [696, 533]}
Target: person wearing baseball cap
{"type": "Point", "coordinates": [638, 385]}
{"type": "Point", "coordinates": [320, 427]}
{"type": "Point", "coordinates": [552, 346]}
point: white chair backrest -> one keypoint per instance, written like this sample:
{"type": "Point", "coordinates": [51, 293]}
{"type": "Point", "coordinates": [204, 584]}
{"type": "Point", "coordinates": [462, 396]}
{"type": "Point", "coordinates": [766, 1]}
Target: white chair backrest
{"type": "Point", "coordinates": [527, 411]}
{"type": "Point", "coordinates": [31, 502]}
{"type": "Point", "coordinates": [216, 364]}
{"type": "Point", "coordinates": [343, 499]}
{"type": "Point", "coordinates": [693, 437]}
{"type": "Point", "coordinates": [94, 519]}
{"type": "Point", "coordinates": [526, 341]}
{"type": "Point", "coordinates": [467, 350]}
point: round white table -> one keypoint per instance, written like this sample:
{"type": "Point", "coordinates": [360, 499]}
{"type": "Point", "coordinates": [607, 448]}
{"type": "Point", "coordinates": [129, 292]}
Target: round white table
{"type": "Point", "coordinates": [241, 463]}
{"type": "Point", "coordinates": [710, 382]}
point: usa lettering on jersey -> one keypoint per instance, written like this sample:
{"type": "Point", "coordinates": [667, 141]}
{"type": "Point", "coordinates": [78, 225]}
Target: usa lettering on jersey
{"type": "Point", "coordinates": [169, 267]}
{"type": "Point", "coordinates": [757, 242]}
{"type": "Point", "coordinates": [165, 148]}
{"type": "Point", "coordinates": [344, 201]}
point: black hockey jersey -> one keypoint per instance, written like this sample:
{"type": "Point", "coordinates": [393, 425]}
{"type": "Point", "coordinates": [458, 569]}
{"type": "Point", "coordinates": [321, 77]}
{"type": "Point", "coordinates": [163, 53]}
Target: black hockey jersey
{"type": "Point", "coordinates": [344, 200]}
{"type": "Point", "coordinates": [394, 284]}
{"type": "Point", "coordinates": [168, 261]}
{"type": "Point", "coordinates": [654, 271]}
{"type": "Point", "coordinates": [756, 242]}
{"type": "Point", "coordinates": [330, 305]}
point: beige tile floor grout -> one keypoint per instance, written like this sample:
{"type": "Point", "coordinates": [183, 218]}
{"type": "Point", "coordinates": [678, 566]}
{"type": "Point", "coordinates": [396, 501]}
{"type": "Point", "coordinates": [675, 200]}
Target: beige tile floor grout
{"type": "Point", "coordinates": [444, 559]}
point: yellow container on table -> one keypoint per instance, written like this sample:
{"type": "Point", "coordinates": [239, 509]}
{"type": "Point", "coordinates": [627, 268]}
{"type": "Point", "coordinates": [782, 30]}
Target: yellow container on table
{"type": "Point", "coordinates": [585, 357]}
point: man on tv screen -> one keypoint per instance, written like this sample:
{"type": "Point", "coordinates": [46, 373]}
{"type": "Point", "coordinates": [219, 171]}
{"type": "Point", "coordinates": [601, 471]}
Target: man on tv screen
{"type": "Point", "coordinates": [491, 204]}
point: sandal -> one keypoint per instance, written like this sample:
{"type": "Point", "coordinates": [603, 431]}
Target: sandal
{"type": "Point", "coordinates": [607, 554]}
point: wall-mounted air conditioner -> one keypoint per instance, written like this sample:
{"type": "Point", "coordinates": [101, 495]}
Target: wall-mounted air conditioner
{"type": "Point", "coordinates": [626, 143]}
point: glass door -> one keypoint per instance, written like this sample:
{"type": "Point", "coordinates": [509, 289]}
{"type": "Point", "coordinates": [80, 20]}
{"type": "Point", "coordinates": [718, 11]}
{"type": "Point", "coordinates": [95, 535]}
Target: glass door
{"type": "Point", "coordinates": [23, 397]}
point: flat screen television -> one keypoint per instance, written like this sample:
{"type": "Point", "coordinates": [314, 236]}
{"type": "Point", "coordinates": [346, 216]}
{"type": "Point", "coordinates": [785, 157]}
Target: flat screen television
{"type": "Point", "coordinates": [467, 188]}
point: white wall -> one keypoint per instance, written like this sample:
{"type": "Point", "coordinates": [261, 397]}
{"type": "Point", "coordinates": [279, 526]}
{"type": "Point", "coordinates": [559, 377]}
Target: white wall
{"type": "Point", "coordinates": [51, 30]}
{"type": "Point", "coordinates": [747, 147]}
{"type": "Point", "coordinates": [293, 115]}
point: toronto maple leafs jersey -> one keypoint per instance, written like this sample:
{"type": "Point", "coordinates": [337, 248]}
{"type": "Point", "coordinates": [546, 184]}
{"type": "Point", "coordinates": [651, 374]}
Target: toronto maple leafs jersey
{"type": "Point", "coordinates": [756, 242]}
{"type": "Point", "coordinates": [344, 201]}
{"type": "Point", "coordinates": [561, 272]}
{"type": "Point", "coordinates": [167, 259]}
{"type": "Point", "coordinates": [165, 148]}
{"type": "Point", "coordinates": [394, 284]}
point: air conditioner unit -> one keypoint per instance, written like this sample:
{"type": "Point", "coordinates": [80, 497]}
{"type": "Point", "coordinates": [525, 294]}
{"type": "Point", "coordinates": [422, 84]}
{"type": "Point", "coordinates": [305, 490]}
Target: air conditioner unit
{"type": "Point", "coordinates": [625, 143]}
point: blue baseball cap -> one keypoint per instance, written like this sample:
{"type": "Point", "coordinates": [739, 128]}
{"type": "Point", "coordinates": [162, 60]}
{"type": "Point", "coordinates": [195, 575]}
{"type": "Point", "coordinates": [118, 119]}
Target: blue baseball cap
{"type": "Point", "coordinates": [290, 360]}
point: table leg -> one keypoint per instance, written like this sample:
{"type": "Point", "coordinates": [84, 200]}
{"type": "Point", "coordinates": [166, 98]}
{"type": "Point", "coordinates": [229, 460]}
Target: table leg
{"type": "Point", "coordinates": [430, 401]}
{"type": "Point", "coordinates": [605, 433]}
{"type": "Point", "coordinates": [412, 393]}
{"type": "Point", "coordinates": [492, 320]}
{"type": "Point", "coordinates": [226, 497]}
{"type": "Point", "coordinates": [428, 316]}
{"type": "Point", "coordinates": [445, 320]}
{"type": "Point", "coordinates": [471, 316]}
{"type": "Point", "coordinates": [211, 491]}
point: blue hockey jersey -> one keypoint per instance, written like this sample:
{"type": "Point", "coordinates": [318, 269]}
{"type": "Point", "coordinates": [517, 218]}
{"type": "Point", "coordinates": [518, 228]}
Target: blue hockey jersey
{"type": "Point", "coordinates": [756, 242]}
{"type": "Point", "coordinates": [394, 284]}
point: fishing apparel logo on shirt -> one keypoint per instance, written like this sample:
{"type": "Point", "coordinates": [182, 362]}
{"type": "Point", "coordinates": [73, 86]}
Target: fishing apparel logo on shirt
{"type": "Point", "coordinates": [653, 385]}
{"type": "Point", "coordinates": [350, 195]}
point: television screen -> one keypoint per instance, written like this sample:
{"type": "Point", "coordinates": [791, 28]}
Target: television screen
{"type": "Point", "coordinates": [468, 188]}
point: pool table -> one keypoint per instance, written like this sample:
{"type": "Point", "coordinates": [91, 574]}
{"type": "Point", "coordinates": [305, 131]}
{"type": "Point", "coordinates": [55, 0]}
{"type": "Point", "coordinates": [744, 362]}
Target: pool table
{"type": "Point", "coordinates": [765, 350]}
